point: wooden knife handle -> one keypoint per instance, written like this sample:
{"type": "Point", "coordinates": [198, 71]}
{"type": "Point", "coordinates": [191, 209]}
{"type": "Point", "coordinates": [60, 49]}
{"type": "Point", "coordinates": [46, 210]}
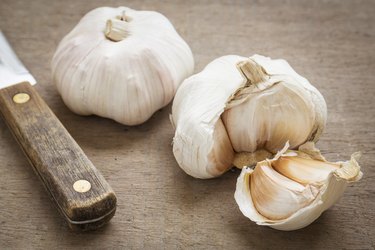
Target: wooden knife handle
{"type": "Point", "coordinates": [81, 193]}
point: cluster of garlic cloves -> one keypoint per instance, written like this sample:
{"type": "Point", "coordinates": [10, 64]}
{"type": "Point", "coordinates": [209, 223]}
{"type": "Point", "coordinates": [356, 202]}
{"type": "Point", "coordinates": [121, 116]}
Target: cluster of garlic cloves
{"type": "Point", "coordinates": [241, 110]}
{"type": "Point", "coordinates": [121, 64]}
{"type": "Point", "coordinates": [291, 190]}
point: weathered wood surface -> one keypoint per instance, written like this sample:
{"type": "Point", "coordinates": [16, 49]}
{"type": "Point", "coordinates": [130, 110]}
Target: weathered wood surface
{"type": "Point", "coordinates": [57, 159]}
{"type": "Point", "coordinates": [332, 43]}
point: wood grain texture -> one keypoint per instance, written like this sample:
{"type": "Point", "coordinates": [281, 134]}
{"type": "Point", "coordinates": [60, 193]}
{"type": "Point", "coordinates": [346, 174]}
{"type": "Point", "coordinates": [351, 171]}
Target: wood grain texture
{"type": "Point", "coordinates": [57, 159]}
{"type": "Point", "coordinates": [331, 43]}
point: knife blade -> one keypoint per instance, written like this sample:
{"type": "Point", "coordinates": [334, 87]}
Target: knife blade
{"type": "Point", "coordinates": [79, 190]}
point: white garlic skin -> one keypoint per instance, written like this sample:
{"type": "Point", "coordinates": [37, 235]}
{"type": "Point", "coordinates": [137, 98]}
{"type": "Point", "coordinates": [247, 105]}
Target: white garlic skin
{"type": "Point", "coordinates": [127, 80]}
{"type": "Point", "coordinates": [196, 109]}
{"type": "Point", "coordinates": [290, 207]}
{"type": "Point", "coordinates": [284, 107]}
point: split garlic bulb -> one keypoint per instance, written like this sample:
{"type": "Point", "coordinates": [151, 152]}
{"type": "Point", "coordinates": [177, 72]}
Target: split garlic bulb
{"type": "Point", "coordinates": [293, 189]}
{"type": "Point", "coordinates": [122, 64]}
{"type": "Point", "coordinates": [241, 110]}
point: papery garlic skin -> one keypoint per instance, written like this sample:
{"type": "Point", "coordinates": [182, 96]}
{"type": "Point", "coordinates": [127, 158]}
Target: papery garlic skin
{"type": "Point", "coordinates": [122, 64]}
{"type": "Point", "coordinates": [303, 206]}
{"type": "Point", "coordinates": [279, 106]}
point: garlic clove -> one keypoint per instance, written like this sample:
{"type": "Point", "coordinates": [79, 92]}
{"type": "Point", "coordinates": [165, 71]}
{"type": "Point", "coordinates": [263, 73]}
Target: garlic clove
{"type": "Point", "coordinates": [269, 119]}
{"type": "Point", "coordinates": [196, 110]}
{"type": "Point", "coordinates": [221, 155]}
{"type": "Point", "coordinates": [324, 193]}
{"type": "Point", "coordinates": [303, 170]}
{"type": "Point", "coordinates": [211, 158]}
{"type": "Point", "coordinates": [276, 196]}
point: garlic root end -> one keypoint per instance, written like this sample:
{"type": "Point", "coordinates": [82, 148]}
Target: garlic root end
{"type": "Point", "coordinates": [243, 159]}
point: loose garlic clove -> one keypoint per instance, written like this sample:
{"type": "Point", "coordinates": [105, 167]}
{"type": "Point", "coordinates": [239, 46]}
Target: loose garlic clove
{"type": "Point", "coordinates": [262, 103]}
{"type": "Point", "coordinates": [303, 170]}
{"type": "Point", "coordinates": [293, 189]}
{"type": "Point", "coordinates": [121, 64]}
{"type": "Point", "coordinates": [276, 196]}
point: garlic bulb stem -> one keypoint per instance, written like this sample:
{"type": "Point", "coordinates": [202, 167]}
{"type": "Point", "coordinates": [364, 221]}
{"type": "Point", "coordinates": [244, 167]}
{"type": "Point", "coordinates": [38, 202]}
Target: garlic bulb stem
{"type": "Point", "coordinates": [117, 29]}
{"type": "Point", "coordinates": [251, 71]}
{"type": "Point", "coordinates": [124, 17]}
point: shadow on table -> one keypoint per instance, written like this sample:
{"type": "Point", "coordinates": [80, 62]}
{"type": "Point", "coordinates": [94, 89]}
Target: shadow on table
{"type": "Point", "coordinates": [315, 236]}
{"type": "Point", "coordinates": [102, 133]}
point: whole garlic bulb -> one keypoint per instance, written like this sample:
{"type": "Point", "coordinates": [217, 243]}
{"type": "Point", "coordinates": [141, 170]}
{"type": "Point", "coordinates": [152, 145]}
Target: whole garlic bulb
{"type": "Point", "coordinates": [122, 64]}
{"type": "Point", "coordinates": [294, 188]}
{"type": "Point", "coordinates": [241, 110]}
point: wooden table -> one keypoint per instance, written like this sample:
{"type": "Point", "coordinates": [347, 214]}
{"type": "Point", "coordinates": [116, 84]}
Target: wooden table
{"type": "Point", "coordinates": [332, 43]}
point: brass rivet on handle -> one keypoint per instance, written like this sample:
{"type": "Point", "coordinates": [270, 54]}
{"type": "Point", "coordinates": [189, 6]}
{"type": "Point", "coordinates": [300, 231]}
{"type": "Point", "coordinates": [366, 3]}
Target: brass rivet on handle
{"type": "Point", "coordinates": [21, 98]}
{"type": "Point", "coordinates": [82, 186]}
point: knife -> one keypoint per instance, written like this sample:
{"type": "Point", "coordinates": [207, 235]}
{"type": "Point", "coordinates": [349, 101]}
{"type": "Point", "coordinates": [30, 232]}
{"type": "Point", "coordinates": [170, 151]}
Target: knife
{"type": "Point", "coordinates": [80, 192]}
